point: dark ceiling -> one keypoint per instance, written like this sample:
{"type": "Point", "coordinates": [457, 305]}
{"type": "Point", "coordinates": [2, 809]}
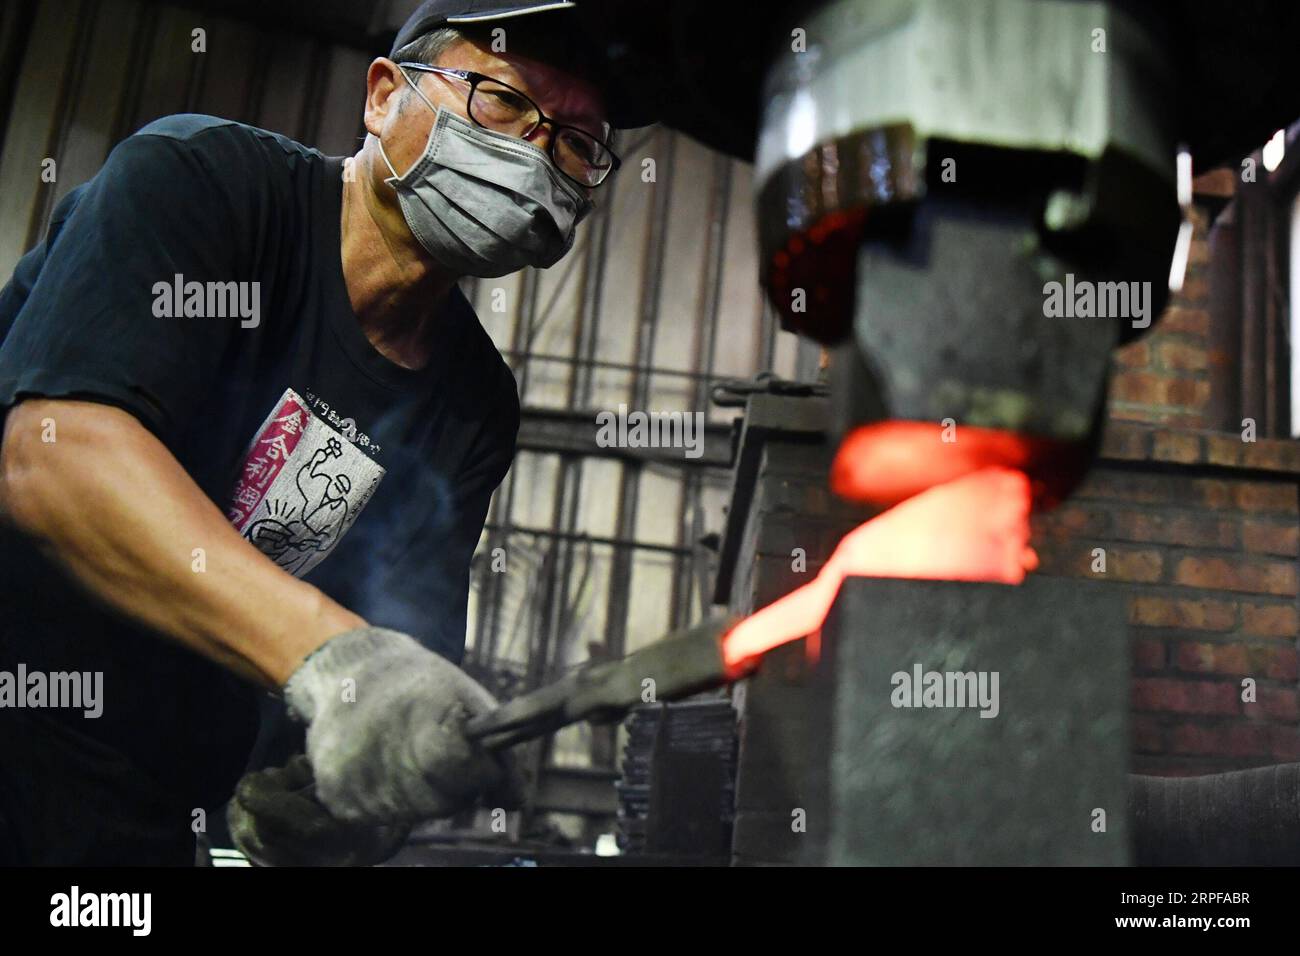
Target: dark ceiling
{"type": "Point", "coordinates": [1236, 79]}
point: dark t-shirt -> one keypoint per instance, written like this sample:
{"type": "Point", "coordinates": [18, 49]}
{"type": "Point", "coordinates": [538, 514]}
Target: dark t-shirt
{"type": "Point", "coordinates": [367, 479]}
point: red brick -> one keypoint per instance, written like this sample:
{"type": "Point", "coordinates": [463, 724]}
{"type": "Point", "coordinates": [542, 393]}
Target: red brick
{"type": "Point", "coordinates": [1149, 388]}
{"type": "Point", "coordinates": [1201, 657]}
{"type": "Point", "coordinates": [1190, 530]}
{"type": "Point", "coordinates": [1130, 412]}
{"type": "Point", "coordinates": [1271, 455]}
{"type": "Point", "coordinates": [1268, 538]}
{"type": "Point", "coordinates": [1200, 614]}
{"type": "Point", "coordinates": [1187, 391]}
{"type": "Point", "coordinates": [1140, 414]}
{"type": "Point", "coordinates": [1199, 253]}
{"type": "Point", "coordinates": [1149, 488]}
{"type": "Point", "coordinates": [1124, 441]}
{"type": "Point", "coordinates": [1199, 256]}
{"type": "Point", "coordinates": [1122, 564]}
{"type": "Point", "coordinates": [1182, 447]}
{"type": "Point", "coordinates": [1072, 521]}
{"type": "Point", "coordinates": [1284, 743]}
{"type": "Point", "coordinates": [1279, 664]}
{"type": "Point", "coordinates": [1185, 696]}
{"type": "Point", "coordinates": [1181, 319]}
{"type": "Point", "coordinates": [1280, 703]}
{"type": "Point", "coordinates": [1224, 449]}
{"type": "Point", "coordinates": [1272, 496]}
{"type": "Point", "coordinates": [1149, 655]}
{"type": "Point", "coordinates": [1145, 387]}
{"type": "Point", "coordinates": [1148, 734]}
{"type": "Point", "coordinates": [1269, 620]}
{"type": "Point", "coordinates": [1254, 576]}
{"type": "Point", "coordinates": [1209, 493]}
{"type": "Point", "coordinates": [1227, 740]}
{"type": "Point", "coordinates": [1220, 183]}
{"type": "Point", "coordinates": [1134, 355]}
{"type": "Point", "coordinates": [1196, 289]}
{"type": "Point", "coordinates": [1245, 740]}
{"type": "Point", "coordinates": [1180, 357]}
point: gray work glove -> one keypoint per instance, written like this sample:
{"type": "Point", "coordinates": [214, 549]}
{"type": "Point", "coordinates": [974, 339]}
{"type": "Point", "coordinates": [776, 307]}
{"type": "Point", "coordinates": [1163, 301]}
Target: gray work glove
{"type": "Point", "coordinates": [385, 720]}
{"type": "Point", "coordinates": [276, 820]}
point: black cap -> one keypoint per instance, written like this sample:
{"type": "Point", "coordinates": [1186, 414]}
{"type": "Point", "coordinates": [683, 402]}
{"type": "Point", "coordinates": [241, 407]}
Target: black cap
{"type": "Point", "coordinates": [554, 37]}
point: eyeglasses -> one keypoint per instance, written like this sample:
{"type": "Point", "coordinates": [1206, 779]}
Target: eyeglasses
{"type": "Point", "coordinates": [498, 106]}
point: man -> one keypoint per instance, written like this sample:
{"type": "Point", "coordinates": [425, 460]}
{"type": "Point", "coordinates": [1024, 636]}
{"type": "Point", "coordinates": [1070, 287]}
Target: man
{"type": "Point", "coordinates": [205, 508]}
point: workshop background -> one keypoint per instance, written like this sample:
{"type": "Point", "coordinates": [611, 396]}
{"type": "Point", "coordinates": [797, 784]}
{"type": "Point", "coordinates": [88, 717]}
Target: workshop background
{"type": "Point", "coordinates": [605, 548]}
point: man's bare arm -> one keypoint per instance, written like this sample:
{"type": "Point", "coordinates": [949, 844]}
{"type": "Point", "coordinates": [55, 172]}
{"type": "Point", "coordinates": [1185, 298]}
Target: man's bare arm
{"type": "Point", "coordinates": [109, 502]}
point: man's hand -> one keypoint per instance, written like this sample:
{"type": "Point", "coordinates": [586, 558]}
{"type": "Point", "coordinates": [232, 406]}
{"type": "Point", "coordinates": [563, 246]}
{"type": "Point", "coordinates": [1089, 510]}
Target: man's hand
{"type": "Point", "coordinates": [276, 820]}
{"type": "Point", "coordinates": [385, 730]}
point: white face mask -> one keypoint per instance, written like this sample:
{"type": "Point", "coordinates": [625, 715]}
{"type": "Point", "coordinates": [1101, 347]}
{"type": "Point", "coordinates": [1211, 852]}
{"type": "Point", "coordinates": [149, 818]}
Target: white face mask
{"type": "Point", "coordinates": [486, 204]}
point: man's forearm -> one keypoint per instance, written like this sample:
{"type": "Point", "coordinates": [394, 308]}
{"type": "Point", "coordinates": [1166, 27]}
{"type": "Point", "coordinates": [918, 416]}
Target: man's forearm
{"type": "Point", "coordinates": [109, 502]}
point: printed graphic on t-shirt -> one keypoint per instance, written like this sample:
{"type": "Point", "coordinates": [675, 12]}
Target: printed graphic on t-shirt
{"type": "Point", "coordinates": [302, 486]}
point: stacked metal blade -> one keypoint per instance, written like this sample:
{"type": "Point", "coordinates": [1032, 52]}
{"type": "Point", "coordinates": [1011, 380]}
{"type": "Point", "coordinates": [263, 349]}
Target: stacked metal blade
{"type": "Point", "coordinates": [677, 791]}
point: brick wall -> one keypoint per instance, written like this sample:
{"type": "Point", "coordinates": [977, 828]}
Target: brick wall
{"type": "Point", "coordinates": [1163, 377]}
{"type": "Point", "coordinates": [1201, 528]}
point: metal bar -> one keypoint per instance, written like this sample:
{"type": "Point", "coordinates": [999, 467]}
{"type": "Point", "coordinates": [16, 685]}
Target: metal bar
{"type": "Point", "coordinates": [535, 625]}
{"type": "Point", "coordinates": [647, 324]}
{"type": "Point", "coordinates": [581, 536]}
{"type": "Point", "coordinates": [686, 573]}
{"type": "Point", "coordinates": [489, 610]}
{"type": "Point", "coordinates": [572, 464]}
{"type": "Point", "coordinates": [605, 363]}
{"type": "Point", "coordinates": [555, 568]}
{"type": "Point", "coordinates": [16, 23]}
{"type": "Point", "coordinates": [767, 339]}
{"type": "Point", "coordinates": [485, 633]}
{"type": "Point", "coordinates": [581, 790]}
{"type": "Point", "coordinates": [1275, 358]}
{"type": "Point", "coordinates": [1253, 198]}
{"type": "Point", "coordinates": [146, 27]}
{"type": "Point", "coordinates": [585, 346]}
{"type": "Point", "coordinates": [1224, 410]}
{"type": "Point", "coordinates": [562, 432]}
{"type": "Point", "coordinates": [523, 330]}
{"type": "Point", "coordinates": [680, 663]}
{"type": "Point", "coordinates": [630, 483]}
{"type": "Point", "coordinates": [194, 82]}
{"type": "Point", "coordinates": [74, 74]}
{"type": "Point", "coordinates": [765, 415]}
{"type": "Point", "coordinates": [261, 73]}
{"type": "Point", "coordinates": [539, 650]}
{"type": "Point", "coordinates": [1278, 312]}
{"type": "Point", "coordinates": [313, 105]}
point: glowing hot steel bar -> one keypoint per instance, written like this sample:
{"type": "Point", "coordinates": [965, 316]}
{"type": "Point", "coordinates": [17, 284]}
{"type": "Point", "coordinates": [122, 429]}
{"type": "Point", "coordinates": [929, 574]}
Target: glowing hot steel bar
{"type": "Point", "coordinates": [975, 528]}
